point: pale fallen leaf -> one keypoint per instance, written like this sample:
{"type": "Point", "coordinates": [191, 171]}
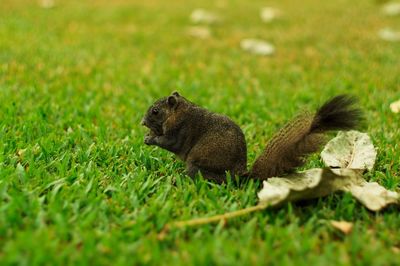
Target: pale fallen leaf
{"type": "Point", "coordinates": [47, 3]}
{"type": "Point", "coordinates": [199, 32]}
{"type": "Point", "coordinates": [204, 16]}
{"type": "Point", "coordinates": [268, 14]}
{"type": "Point", "coordinates": [273, 194]}
{"type": "Point", "coordinates": [21, 152]}
{"type": "Point", "coordinates": [387, 34]}
{"type": "Point", "coordinates": [374, 196]}
{"type": "Point", "coordinates": [343, 226]}
{"type": "Point", "coordinates": [396, 250]}
{"type": "Point", "coordinates": [313, 183]}
{"type": "Point", "coordinates": [316, 183]}
{"type": "Point", "coordinates": [350, 149]}
{"type": "Point", "coordinates": [391, 9]}
{"type": "Point", "coordinates": [395, 106]}
{"type": "Point", "coordinates": [258, 47]}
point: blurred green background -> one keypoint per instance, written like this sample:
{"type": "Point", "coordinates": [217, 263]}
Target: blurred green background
{"type": "Point", "coordinates": [77, 185]}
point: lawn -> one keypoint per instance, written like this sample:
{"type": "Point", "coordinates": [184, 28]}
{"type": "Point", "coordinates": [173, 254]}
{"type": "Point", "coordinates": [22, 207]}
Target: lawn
{"type": "Point", "coordinates": [77, 184]}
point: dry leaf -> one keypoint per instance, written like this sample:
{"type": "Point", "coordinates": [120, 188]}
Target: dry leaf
{"type": "Point", "coordinates": [258, 47]}
{"type": "Point", "coordinates": [313, 183]}
{"type": "Point", "coordinates": [350, 149]}
{"type": "Point", "coordinates": [343, 226]}
{"type": "Point", "coordinates": [203, 16]}
{"type": "Point", "coordinates": [374, 196]}
{"type": "Point", "coordinates": [387, 34]}
{"type": "Point", "coordinates": [316, 183]}
{"type": "Point", "coordinates": [268, 14]}
{"type": "Point", "coordinates": [273, 194]}
{"type": "Point", "coordinates": [47, 3]}
{"type": "Point", "coordinates": [21, 152]}
{"type": "Point", "coordinates": [391, 9]}
{"type": "Point", "coordinates": [395, 106]}
{"type": "Point", "coordinates": [199, 32]}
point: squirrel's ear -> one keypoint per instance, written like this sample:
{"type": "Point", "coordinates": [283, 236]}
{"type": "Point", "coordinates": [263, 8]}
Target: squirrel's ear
{"type": "Point", "coordinates": [172, 100]}
{"type": "Point", "coordinates": [175, 93]}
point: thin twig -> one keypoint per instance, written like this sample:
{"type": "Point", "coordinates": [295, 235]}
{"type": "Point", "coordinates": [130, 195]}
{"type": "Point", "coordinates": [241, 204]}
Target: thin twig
{"type": "Point", "coordinates": [212, 219]}
{"type": "Point", "coordinates": [216, 218]}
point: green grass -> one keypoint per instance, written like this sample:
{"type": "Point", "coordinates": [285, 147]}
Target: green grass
{"type": "Point", "coordinates": [77, 184]}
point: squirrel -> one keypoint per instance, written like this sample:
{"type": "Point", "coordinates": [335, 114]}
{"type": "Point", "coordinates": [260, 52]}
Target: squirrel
{"type": "Point", "coordinates": [213, 145]}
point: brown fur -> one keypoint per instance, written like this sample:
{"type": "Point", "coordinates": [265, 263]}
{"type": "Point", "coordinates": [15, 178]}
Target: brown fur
{"type": "Point", "coordinates": [303, 135]}
{"type": "Point", "coordinates": [213, 144]}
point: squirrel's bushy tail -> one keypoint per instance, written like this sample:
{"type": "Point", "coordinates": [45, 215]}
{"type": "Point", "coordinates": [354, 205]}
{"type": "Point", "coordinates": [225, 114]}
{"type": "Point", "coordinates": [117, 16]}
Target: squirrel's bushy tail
{"type": "Point", "coordinates": [304, 135]}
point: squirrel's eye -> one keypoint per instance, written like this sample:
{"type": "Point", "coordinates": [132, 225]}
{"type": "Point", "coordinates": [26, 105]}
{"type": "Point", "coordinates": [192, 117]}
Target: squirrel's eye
{"type": "Point", "coordinates": [154, 111]}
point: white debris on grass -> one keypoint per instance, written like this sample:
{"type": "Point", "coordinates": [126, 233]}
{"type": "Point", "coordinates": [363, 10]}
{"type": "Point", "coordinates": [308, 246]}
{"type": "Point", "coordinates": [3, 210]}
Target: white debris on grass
{"type": "Point", "coordinates": [258, 47]}
{"type": "Point", "coordinates": [391, 9]}
{"type": "Point", "coordinates": [268, 14]}
{"type": "Point", "coordinates": [343, 226]}
{"type": "Point", "coordinates": [204, 16]}
{"type": "Point", "coordinates": [47, 3]}
{"type": "Point", "coordinates": [389, 35]}
{"type": "Point", "coordinates": [199, 32]}
{"type": "Point", "coordinates": [395, 106]}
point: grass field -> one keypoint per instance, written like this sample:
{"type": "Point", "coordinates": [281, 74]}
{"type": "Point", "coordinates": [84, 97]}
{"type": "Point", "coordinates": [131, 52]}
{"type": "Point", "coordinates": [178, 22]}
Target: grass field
{"type": "Point", "coordinates": [77, 184]}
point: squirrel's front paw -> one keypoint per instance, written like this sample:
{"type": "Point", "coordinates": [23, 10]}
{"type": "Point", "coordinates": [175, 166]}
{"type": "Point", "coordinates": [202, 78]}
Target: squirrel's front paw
{"type": "Point", "coordinates": [149, 140]}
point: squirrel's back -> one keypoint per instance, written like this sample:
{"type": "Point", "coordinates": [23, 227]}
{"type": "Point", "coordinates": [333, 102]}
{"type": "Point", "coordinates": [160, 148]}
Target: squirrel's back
{"type": "Point", "coordinates": [304, 135]}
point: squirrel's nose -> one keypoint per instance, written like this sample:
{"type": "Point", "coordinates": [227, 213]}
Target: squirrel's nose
{"type": "Point", "coordinates": [143, 122]}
